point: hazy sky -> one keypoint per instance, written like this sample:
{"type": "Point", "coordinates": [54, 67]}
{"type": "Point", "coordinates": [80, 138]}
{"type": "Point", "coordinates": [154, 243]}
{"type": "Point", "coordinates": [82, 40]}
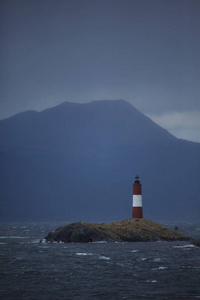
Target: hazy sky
{"type": "Point", "coordinates": [144, 51]}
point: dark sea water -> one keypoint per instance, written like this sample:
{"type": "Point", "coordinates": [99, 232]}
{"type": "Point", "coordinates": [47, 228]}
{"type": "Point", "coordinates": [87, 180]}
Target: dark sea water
{"type": "Point", "coordinates": [153, 270]}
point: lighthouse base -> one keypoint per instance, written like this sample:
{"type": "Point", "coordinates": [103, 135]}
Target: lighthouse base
{"type": "Point", "coordinates": [137, 212]}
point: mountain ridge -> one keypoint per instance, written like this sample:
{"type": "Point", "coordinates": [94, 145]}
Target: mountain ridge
{"type": "Point", "coordinates": [90, 112]}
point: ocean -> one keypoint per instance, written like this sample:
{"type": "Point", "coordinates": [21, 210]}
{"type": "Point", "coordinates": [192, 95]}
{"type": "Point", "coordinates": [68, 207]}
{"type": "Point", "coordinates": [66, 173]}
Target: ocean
{"type": "Point", "coordinates": [31, 269]}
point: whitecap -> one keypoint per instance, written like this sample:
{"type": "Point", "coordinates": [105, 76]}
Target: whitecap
{"type": "Point", "coordinates": [99, 242]}
{"type": "Point", "coordinates": [152, 281]}
{"type": "Point", "coordinates": [120, 264]}
{"type": "Point", "coordinates": [189, 246]}
{"type": "Point", "coordinates": [134, 251]}
{"type": "Point", "coordinates": [158, 259]}
{"type": "Point", "coordinates": [83, 254]}
{"type": "Point", "coordinates": [43, 241]}
{"type": "Point", "coordinates": [185, 246]}
{"type": "Point", "coordinates": [162, 268]}
{"type": "Point", "coordinates": [104, 257]}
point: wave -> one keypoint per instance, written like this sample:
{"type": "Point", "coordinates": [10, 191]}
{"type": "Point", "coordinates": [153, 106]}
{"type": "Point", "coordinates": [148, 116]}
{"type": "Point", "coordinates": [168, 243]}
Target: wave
{"type": "Point", "coordinates": [100, 242]}
{"type": "Point", "coordinates": [84, 254]}
{"type": "Point", "coordinates": [91, 254]}
{"type": "Point", "coordinates": [14, 237]}
{"type": "Point", "coordinates": [157, 259]}
{"type": "Point", "coordinates": [104, 257]}
{"type": "Point", "coordinates": [162, 268]}
{"type": "Point", "coordinates": [185, 246]}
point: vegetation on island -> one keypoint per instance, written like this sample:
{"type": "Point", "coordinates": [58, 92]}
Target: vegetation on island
{"type": "Point", "coordinates": [130, 230]}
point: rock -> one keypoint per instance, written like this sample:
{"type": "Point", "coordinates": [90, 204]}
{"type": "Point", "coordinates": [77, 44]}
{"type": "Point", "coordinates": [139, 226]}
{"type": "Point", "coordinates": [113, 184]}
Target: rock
{"type": "Point", "coordinates": [196, 242]}
{"type": "Point", "coordinates": [130, 230]}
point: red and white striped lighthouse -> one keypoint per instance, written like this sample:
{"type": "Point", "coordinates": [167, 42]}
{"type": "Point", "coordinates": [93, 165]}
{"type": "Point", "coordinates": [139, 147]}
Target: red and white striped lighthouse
{"type": "Point", "coordinates": [137, 199]}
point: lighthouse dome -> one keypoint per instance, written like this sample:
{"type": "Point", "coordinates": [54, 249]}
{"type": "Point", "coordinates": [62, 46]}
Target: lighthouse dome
{"type": "Point", "coordinates": [137, 179]}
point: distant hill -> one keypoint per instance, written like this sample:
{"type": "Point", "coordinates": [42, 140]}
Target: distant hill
{"type": "Point", "coordinates": [78, 162]}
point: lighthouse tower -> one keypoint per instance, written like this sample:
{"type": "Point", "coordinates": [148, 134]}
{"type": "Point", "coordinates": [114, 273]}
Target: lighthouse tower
{"type": "Point", "coordinates": [137, 199]}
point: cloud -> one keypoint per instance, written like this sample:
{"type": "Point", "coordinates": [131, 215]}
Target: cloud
{"type": "Point", "coordinates": [185, 125]}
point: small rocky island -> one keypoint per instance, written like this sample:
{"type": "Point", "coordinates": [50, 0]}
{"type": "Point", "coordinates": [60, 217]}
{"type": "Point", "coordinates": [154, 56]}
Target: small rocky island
{"type": "Point", "coordinates": [131, 230]}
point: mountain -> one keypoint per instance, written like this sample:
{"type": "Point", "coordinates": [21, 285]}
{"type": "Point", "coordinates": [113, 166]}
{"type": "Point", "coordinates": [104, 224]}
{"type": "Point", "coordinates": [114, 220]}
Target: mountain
{"type": "Point", "coordinates": [78, 162]}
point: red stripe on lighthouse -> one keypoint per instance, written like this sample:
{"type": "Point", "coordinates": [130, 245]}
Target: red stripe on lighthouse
{"type": "Point", "coordinates": [137, 212]}
{"type": "Point", "coordinates": [137, 199]}
{"type": "Point", "coordinates": [137, 189]}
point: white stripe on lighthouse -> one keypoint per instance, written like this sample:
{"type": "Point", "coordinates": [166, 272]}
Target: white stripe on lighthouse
{"type": "Point", "coordinates": [137, 200]}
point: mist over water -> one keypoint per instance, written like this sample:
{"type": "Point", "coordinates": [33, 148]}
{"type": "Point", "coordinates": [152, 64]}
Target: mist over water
{"type": "Point", "coordinates": [152, 270]}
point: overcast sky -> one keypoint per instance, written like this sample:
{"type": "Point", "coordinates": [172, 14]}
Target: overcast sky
{"type": "Point", "coordinates": [144, 51]}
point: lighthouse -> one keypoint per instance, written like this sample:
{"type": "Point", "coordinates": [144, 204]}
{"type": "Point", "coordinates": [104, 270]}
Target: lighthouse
{"type": "Point", "coordinates": [137, 199]}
